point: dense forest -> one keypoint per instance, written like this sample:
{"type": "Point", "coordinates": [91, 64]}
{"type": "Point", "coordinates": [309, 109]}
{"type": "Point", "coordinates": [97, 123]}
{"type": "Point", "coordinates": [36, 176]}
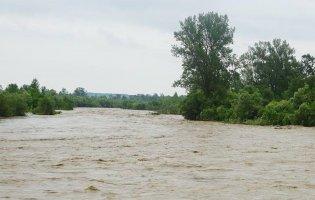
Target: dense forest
{"type": "Point", "coordinates": [267, 85]}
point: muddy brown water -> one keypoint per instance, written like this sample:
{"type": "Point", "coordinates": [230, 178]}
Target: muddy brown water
{"type": "Point", "coordinates": [125, 154]}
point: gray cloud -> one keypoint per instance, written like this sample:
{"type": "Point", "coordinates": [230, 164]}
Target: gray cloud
{"type": "Point", "coordinates": [124, 45]}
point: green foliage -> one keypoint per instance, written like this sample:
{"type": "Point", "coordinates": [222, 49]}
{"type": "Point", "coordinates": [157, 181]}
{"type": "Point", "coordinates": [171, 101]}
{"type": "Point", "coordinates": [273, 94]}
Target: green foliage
{"type": "Point", "coordinates": [266, 85]}
{"type": "Point", "coordinates": [193, 105]}
{"type": "Point", "coordinates": [104, 102]}
{"type": "Point", "coordinates": [15, 101]}
{"type": "Point", "coordinates": [46, 106]}
{"type": "Point", "coordinates": [204, 47]}
{"type": "Point", "coordinates": [12, 104]}
{"type": "Point", "coordinates": [220, 113]}
{"type": "Point", "coordinates": [81, 92]}
{"type": "Point", "coordinates": [279, 113]}
{"type": "Point", "coordinates": [248, 105]}
{"type": "Point", "coordinates": [308, 65]}
{"type": "Point", "coordinates": [12, 88]}
{"type": "Point", "coordinates": [208, 114]}
{"type": "Point", "coordinates": [270, 64]}
{"type": "Point", "coordinates": [64, 102]}
{"type": "Point", "coordinates": [305, 115]}
{"type": "Point", "coordinates": [305, 94]}
{"type": "Point", "coordinates": [162, 104]}
{"type": "Point", "coordinates": [4, 106]}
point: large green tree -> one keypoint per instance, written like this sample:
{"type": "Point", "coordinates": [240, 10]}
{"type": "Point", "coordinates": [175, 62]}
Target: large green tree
{"type": "Point", "coordinates": [203, 43]}
{"type": "Point", "coordinates": [270, 65]}
{"type": "Point", "coordinates": [80, 92]}
{"type": "Point", "coordinates": [308, 65]}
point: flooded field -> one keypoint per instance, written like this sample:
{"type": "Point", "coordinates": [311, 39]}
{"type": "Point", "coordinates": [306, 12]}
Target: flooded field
{"type": "Point", "coordinates": [125, 154]}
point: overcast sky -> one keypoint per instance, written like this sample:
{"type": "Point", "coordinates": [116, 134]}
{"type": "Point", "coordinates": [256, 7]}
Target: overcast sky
{"type": "Point", "coordinates": [123, 46]}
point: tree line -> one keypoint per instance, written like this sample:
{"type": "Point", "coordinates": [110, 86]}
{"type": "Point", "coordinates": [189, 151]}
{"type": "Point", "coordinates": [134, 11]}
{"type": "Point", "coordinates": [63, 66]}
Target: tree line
{"type": "Point", "coordinates": [17, 101]}
{"type": "Point", "coordinates": [163, 104]}
{"type": "Point", "coordinates": [266, 85]}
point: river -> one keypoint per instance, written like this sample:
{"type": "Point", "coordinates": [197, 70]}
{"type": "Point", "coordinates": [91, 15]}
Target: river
{"type": "Point", "coordinates": [125, 154]}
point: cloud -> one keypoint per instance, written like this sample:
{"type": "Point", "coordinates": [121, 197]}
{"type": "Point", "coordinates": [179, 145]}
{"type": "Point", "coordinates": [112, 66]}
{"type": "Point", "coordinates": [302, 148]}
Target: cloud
{"type": "Point", "coordinates": [124, 45]}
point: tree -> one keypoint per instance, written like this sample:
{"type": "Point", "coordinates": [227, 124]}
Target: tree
{"type": "Point", "coordinates": [279, 113]}
{"type": "Point", "coordinates": [193, 105]}
{"type": "Point", "coordinates": [46, 106]}
{"type": "Point", "coordinates": [248, 104]}
{"type": "Point", "coordinates": [308, 65]}
{"type": "Point", "coordinates": [270, 65]}
{"type": "Point", "coordinates": [12, 104]}
{"type": "Point", "coordinates": [35, 85]}
{"type": "Point", "coordinates": [80, 92]}
{"type": "Point", "coordinates": [203, 45]}
{"type": "Point", "coordinates": [12, 88]}
{"type": "Point", "coordinates": [63, 92]}
{"type": "Point", "coordinates": [34, 91]}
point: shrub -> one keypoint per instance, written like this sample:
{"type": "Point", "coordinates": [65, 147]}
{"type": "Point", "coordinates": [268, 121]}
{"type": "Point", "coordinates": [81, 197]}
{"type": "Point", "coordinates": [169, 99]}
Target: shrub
{"type": "Point", "coordinates": [193, 105]}
{"type": "Point", "coordinates": [66, 104]}
{"type": "Point", "coordinates": [105, 103]}
{"type": "Point", "coordinates": [208, 114]}
{"type": "Point", "coordinates": [12, 104]}
{"type": "Point", "coordinates": [18, 104]}
{"type": "Point", "coordinates": [248, 105]}
{"type": "Point", "coordinates": [139, 106]}
{"type": "Point", "coordinates": [304, 94]}
{"type": "Point", "coordinates": [4, 107]}
{"type": "Point", "coordinates": [220, 113]}
{"type": "Point", "coordinates": [305, 115]}
{"type": "Point", "coordinates": [223, 113]}
{"type": "Point", "coordinates": [46, 106]}
{"type": "Point", "coordinates": [279, 113]}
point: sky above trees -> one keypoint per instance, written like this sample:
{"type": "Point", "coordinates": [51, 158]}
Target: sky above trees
{"type": "Point", "coordinates": [124, 46]}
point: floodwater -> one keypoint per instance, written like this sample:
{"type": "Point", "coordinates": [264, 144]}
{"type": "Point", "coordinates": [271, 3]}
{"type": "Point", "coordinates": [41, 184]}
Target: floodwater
{"type": "Point", "coordinates": [124, 154]}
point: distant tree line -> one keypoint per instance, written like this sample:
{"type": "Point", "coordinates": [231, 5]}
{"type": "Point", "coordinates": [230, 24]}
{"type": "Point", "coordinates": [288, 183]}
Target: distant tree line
{"type": "Point", "coordinates": [267, 85]}
{"type": "Point", "coordinates": [160, 103]}
{"type": "Point", "coordinates": [17, 101]}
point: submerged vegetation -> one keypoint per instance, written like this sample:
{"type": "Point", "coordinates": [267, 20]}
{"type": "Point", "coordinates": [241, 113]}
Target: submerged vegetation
{"type": "Point", "coordinates": [267, 85]}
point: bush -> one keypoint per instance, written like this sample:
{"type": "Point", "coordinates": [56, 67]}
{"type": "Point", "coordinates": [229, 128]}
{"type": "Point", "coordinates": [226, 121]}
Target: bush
{"type": "Point", "coordinates": [85, 101]}
{"type": "Point", "coordinates": [46, 106]}
{"type": "Point", "coordinates": [4, 106]}
{"type": "Point", "coordinates": [208, 114]}
{"type": "Point", "coordinates": [305, 94]}
{"type": "Point", "coordinates": [279, 113]}
{"type": "Point", "coordinates": [105, 103]}
{"type": "Point", "coordinates": [220, 113]}
{"type": "Point", "coordinates": [139, 106]}
{"type": "Point", "coordinates": [305, 115]}
{"type": "Point", "coordinates": [193, 105]}
{"type": "Point", "coordinates": [223, 113]}
{"type": "Point", "coordinates": [18, 105]}
{"type": "Point", "coordinates": [248, 105]}
{"type": "Point", "coordinates": [65, 103]}
{"type": "Point", "coordinates": [12, 104]}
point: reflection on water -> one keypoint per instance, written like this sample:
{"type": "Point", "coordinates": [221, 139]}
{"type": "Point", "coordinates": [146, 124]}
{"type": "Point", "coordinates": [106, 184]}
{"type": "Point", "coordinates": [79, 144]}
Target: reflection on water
{"type": "Point", "coordinates": [118, 154]}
